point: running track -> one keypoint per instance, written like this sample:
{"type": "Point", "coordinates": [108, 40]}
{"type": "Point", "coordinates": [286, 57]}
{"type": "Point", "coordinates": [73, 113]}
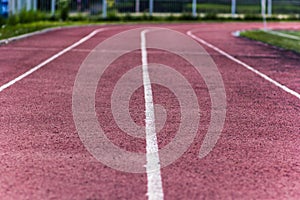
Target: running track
{"type": "Point", "coordinates": [256, 156]}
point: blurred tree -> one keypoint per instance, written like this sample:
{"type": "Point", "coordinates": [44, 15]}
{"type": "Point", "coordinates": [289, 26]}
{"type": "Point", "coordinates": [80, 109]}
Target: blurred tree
{"type": "Point", "coordinates": [110, 3]}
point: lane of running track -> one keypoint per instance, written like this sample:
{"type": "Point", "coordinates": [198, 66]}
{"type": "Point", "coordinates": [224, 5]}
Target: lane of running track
{"type": "Point", "coordinates": [256, 156]}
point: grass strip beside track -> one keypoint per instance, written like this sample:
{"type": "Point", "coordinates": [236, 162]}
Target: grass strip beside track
{"type": "Point", "coordinates": [295, 33]}
{"type": "Point", "coordinates": [275, 40]}
{"type": "Point", "coordinates": [20, 29]}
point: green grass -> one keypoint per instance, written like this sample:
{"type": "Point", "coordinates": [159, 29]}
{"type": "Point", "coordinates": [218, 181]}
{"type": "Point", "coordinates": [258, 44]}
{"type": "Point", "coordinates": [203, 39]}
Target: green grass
{"type": "Point", "coordinates": [279, 41]}
{"type": "Point", "coordinates": [7, 31]}
{"type": "Point", "coordinates": [295, 33]}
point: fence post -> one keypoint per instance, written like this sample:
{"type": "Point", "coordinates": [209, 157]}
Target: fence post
{"type": "Point", "coordinates": [19, 6]}
{"type": "Point", "coordinates": [104, 8]}
{"type": "Point", "coordinates": [263, 13]}
{"type": "Point", "coordinates": [28, 5]}
{"type": "Point", "coordinates": [194, 8]}
{"type": "Point", "coordinates": [233, 8]}
{"type": "Point", "coordinates": [137, 6]}
{"type": "Point", "coordinates": [34, 5]}
{"type": "Point", "coordinates": [270, 8]}
{"type": "Point", "coordinates": [52, 7]}
{"type": "Point", "coordinates": [12, 7]}
{"type": "Point", "coordinates": [150, 7]}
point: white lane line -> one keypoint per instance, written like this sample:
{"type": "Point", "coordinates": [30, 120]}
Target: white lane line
{"type": "Point", "coordinates": [154, 185]}
{"type": "Point", "coordinates": [27, 73]}
{"type": "Point", "coordinates": [283, 87]}
{"type": "Point", "coordinates": [282, 34]}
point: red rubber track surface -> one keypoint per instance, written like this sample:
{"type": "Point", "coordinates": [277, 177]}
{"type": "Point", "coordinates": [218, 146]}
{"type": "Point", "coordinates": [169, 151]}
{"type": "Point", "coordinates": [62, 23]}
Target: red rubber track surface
{"type": "Point", "coordinates": [256, 157]}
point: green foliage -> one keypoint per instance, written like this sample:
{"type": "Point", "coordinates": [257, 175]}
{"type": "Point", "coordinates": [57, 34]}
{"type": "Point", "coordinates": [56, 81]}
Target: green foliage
{"type": "Point", "coordinates": [18, 29]}
{"type": "Point", "coordinates": [170, 17]}
{"type": "Point", "coordinates": [64, 9]}
{"type": "Point", "coordinates": [26, 17]}
{"type": "Point", "coordinates": [31, 16]}
{"type": "Point", "coordinates": [78, 17]}
{"type": "Point", "coordinates": [112, 16]}
{"type": "Point", "coordinates": [128, 17]}
{"type": "Point", "coordinates": [13, 20]}
{"type": "Point", "coordinates": [211, 16]}
{"type": "Point", "coordinates": [2, 21]}
{"type": "Point", "coordinates": [252, 17]}
{"type": "Point", "coordinates": [146, 17]}
{"type": "Point", "coordinates": [186, 16]}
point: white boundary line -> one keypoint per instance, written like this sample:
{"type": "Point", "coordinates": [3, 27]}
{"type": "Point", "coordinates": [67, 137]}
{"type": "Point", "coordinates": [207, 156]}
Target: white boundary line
{"type": "Point", "coordinates": [283, 87]}
{"type": "Point", "coordinates": [42, 64]}
{"type": "Point", "coordinates": [154, 184]}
